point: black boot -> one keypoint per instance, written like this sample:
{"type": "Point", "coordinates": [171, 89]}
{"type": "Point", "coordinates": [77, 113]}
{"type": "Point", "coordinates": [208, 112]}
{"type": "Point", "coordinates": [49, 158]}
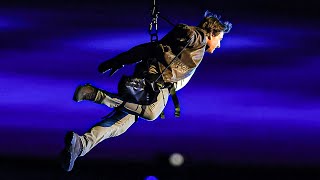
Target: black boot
{"type": "Point", "coordinates": [85, 92]}
{"type": "Point", "coordinates": [91, 93]}
{"type": "Point", "coordinates": [72, 150]}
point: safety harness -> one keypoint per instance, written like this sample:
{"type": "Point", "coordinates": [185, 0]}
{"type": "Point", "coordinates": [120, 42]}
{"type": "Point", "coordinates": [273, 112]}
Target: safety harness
{"type": "Point", "coordinates": [153, 31]}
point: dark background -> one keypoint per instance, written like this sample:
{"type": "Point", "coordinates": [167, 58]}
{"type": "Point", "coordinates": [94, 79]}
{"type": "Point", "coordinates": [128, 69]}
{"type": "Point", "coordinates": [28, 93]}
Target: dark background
{"type": "Point", "coordinates": [251, 110]}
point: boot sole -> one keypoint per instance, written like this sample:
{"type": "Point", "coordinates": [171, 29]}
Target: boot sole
{"type": "Point", "coordinates": [69, 141]}
{"type": "Point", "coordinates": [76, 93]}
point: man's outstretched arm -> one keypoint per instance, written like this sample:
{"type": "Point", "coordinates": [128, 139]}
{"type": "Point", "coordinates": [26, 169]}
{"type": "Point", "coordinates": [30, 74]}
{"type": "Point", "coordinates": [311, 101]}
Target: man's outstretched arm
{"type": "Point", "coordinates": [135, 54]}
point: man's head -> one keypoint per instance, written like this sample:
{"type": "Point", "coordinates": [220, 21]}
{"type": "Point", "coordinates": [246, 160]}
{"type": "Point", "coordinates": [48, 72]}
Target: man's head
{"type": "Point", "coordinates": [215, 30]}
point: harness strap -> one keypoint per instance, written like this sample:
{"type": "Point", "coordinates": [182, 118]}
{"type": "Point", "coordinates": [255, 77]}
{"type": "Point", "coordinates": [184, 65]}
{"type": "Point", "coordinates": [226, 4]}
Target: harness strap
{"type": "Point", "coordinates": [162, 116]}
{"type": "Point", "coordinates": [143, 107]}
{"type": "Point", "coordinates": [175, 101]}
{"type": "Point", "coordinates": [153, 31]}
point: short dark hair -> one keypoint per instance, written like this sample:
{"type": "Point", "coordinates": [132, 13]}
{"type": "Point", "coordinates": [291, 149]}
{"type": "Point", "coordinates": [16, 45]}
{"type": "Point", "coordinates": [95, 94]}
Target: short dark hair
{"type": "Point", "coordinates": [211, 23]}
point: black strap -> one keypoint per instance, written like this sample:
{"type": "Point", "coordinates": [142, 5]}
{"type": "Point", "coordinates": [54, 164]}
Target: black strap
{"type": "Point", "coordinates": [162, 116]}
{"type": "Point", "coordinates": [175, 101]}
{"type": "Point", "coordinates": [143, 107]}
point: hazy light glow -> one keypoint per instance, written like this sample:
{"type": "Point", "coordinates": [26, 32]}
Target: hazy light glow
{"type": "Point", "coordinates": [151, 178]}
{"type": "Point", "coordinates": [176, 159]}
{"type": "Point", "coordinates": [8, 24]}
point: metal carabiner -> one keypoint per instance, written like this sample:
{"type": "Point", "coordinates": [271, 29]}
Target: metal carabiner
{"type": "Point", "coordinates": [153, 27]}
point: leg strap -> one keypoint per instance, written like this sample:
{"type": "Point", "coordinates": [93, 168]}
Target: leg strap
{"type": "Point", "coordinates": [175, 101]}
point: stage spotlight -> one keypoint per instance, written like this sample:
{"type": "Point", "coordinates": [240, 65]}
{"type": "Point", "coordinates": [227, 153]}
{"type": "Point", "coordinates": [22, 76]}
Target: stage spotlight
{"type": "Point", "coordinates": [151, 178]}
{"type": "Point", "coordinates": [176, 159]}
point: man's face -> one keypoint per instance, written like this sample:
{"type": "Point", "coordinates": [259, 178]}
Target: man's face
{"type": "Point", "coordinates": [213, 42]}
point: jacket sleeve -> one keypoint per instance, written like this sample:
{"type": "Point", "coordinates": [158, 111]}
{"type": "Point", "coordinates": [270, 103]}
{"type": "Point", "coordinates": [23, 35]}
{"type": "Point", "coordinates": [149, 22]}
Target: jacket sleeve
{"type": "Point", "coordinates": [182, 32]}
{"type": "Point", "coordinates": [178, 37]}
{"type": "Point", "coordinates": [135, 54]}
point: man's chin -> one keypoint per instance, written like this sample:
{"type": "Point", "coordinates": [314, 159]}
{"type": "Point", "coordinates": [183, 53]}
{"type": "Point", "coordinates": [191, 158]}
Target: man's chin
{"type": "Point", "coordinates": [210, 51]}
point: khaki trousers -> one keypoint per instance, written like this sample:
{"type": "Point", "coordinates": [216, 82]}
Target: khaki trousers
{"type": "Point", "coordinates": [119, 120]}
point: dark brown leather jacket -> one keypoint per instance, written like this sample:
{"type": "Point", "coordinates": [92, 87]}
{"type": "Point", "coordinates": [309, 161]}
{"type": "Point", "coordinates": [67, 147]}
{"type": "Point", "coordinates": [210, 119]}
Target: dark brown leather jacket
{"type": "Point", "coordinates": [164, 51]}
{"type": "Point", "coordinates": [185, 64]}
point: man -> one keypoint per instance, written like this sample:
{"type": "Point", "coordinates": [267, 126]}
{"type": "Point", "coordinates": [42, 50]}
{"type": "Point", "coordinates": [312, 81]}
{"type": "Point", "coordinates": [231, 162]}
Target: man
{"type": "Point", "coordinates": [182, 50]}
